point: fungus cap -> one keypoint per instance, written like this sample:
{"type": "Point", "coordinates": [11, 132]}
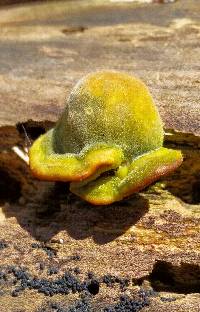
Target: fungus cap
{"type": "Point", "coordinates": [112, 108]}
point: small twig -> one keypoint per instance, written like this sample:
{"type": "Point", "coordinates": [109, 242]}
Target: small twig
{"type": "Point", "coordinates": [20, 153]}
{"type": "Point", "coordinates": [26, 135]}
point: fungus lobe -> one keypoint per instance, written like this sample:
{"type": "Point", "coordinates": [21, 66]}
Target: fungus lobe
{"type": "Point", "coordinates": [108, 142]}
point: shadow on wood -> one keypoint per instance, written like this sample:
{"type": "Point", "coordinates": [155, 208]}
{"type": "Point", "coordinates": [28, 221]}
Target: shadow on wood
{"type": "Point", "coordinates": [56, 209]}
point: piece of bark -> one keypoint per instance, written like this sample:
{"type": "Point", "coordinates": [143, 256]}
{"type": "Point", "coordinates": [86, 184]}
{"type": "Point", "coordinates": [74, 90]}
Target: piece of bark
{"type": "Point", "coordinates": [152, 238]}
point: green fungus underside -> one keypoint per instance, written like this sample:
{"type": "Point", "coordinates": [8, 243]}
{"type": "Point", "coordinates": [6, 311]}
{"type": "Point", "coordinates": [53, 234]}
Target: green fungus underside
{"type": "Point", "coordinates": [110, 125]}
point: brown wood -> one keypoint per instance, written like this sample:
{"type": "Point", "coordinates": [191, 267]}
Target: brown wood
{"type": "Point", "coordinates": [44, 49]}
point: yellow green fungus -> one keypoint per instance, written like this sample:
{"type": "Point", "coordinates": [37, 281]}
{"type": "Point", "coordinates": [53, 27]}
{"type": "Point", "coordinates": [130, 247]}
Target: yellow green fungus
{"type": "Point", "coordinates": [108, 142]}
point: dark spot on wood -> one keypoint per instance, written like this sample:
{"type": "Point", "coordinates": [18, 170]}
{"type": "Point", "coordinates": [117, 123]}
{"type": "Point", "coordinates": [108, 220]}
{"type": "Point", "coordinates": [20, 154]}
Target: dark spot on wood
{"type": "Point", "coordinates": [93, 287]}
{"type": "Point", "coordinates": [10, 187]}
{"type": "Point", "coordinates": [184, 279]}
{"type": "Point", "coordinates": [75, 29]}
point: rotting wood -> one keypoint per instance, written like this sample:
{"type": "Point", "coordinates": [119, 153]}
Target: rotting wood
{"type": "Point", "coordinates": [154, 231]}
{"type": "Point", "coordinates": [125, 240]}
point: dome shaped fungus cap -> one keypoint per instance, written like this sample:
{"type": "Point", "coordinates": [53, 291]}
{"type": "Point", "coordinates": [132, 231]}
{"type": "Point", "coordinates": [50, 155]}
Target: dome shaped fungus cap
{"type": "Point", "coordinates": [110, 123]}
{"type": "Point", "coordinates": [112, 108]}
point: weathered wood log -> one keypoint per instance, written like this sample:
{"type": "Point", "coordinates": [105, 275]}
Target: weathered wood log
{"type": "Point", "coordinates": [150, 241]}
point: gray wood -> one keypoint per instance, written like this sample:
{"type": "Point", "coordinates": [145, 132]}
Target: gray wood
{"type": "Point", "coordinates": [44, 49]}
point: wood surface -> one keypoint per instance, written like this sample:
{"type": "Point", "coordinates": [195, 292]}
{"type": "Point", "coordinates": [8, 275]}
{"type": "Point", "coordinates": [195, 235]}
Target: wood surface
{"type": "Point", "coordinates": [151, 239]}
